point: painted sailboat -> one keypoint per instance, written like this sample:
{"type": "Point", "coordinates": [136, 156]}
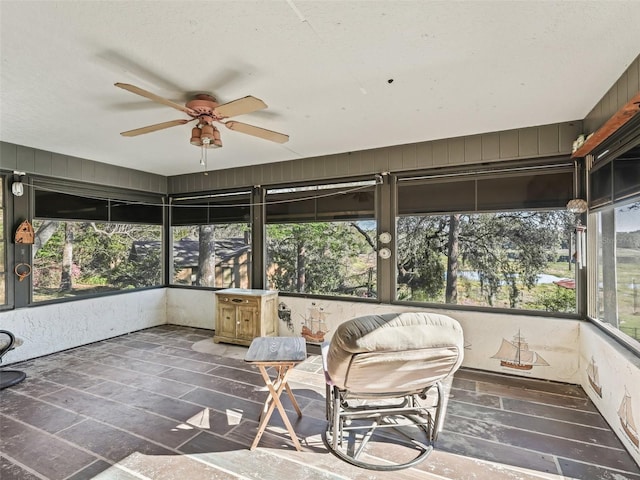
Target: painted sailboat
{"type": "Point", "coordinates": [516, 354]}
{"type": "Point", "coordinates": [626, 418]}
{"type": "Point", "coordinates": [314, 327]}
{"type": "Point", "coordinates": [594, 378]}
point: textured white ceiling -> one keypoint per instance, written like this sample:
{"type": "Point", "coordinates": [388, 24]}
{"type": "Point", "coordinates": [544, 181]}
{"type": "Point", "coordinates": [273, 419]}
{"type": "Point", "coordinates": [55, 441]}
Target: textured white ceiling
{"type": "Point", "coordinates": [323, 67]}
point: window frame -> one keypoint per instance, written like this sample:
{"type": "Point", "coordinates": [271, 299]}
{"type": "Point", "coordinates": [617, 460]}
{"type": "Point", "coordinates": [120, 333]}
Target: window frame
{"type": "Point", "coordinates": [505, 169]}
{"type": "Point", "coordinates": [624, 140]}
{"type": "Point", "coordinates": [113, 196]}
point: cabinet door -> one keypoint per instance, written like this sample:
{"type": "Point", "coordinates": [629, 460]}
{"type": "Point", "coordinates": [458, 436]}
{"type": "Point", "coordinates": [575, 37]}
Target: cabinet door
{"type": "Point", "coordinates": [226, 323]}
{"type": "Point", "coordinates": [247, 318]}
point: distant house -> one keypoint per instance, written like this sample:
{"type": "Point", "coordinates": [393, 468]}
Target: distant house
{"type": "Point", "coordinates": [232, 260]}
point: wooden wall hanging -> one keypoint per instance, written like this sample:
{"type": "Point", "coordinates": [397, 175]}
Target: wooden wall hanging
{"type": "Point", "coordinates": [24, 233]}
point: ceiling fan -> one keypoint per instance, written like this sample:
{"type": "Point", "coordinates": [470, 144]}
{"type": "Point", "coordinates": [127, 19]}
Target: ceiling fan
{"type": "Point", "coordinates": [204, 109]}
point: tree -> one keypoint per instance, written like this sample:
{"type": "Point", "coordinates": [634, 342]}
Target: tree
{"type": "Point", "coordinates": [206, 276]}
{"type": "Point", "coordinates": [320, 257]}
{"type": "Point", "coordinates": [66, 282]}
{"type": "Point", "coordinates": [507, 251]}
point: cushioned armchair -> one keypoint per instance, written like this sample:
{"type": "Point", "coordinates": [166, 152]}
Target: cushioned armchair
{"type": "Point", "coordinates": [388, 379]}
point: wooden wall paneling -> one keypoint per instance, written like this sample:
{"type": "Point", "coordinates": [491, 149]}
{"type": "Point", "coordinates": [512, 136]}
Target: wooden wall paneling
{"type": "Point", "coordinates": [568, 132]}
{"type": "Point", "coordinates": [74, 170]}
{"type": "Point", "coordinates": [509, 144]}
{"type": "Point", "coordinates": [490, 146]}
{"type": "Point", "coordinates": [440, 153]}
{"type": "Point", "coordinates": [395, 158]}
{"type": "Point", "coordinates": [43, 164]}
{"type": "Point", "coordinates": [8, 156]}
{"type": "Point", "coordinates": [381, 160]}
{"type": "Point", "coordinates": [455, 147]}
{"type": "Point", "coordinates": [409, 157]}
{"type": "Point", "coordinates": [473, 148]}
{"type": "Point", "coordinates": [424, 154]}
{"type": "Point", "coordinates": [59, 165]}
{"type": "Point", "coordinates": [89, 172]}
{"type": "Point", "coordinates": [528, 142]}
{"type": "Point", "coordinates": [26, 159]}
{"type": "Point", "coordinates": [549, 140]}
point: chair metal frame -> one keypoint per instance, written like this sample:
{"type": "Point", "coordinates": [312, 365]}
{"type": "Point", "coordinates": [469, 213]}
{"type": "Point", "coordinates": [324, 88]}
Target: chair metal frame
{"type": "Point", "coordinates": [347, 440]}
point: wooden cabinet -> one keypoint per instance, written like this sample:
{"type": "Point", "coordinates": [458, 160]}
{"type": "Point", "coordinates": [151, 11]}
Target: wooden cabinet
{"type": "Point", "coordinates": [242, 315]}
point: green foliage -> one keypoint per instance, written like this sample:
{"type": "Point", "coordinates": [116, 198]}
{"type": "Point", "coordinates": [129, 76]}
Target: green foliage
{"type": "Point", "coordinates": [321, 258]}
{"type": "Point", "coordinates": [552, 298]}
{"type": "Point", "coordinates": [505, 252]}
{"type": "Point", "coordinates": [101, 256]}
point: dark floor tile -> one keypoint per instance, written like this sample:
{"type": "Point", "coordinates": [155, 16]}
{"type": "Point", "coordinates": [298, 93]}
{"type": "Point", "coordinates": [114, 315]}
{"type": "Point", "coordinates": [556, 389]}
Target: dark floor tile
{"type": "Point", "coordinates": [465, 396]}
{"type": "Point", "coordinates": [36, 413]}
{"type": "Point", "coordinates": [35, 387]}
{"type": "Point", "coordinates": [111, 360]}
{"type": "Point", "coordinates": [152, 402]}
{"type": "Point", "coordinates": [239, 375]}
{"type": "Point", "coordinates": [11, 471]}
{"type": "Point", "coordinates": [593, 419]}
{"type": "Point", "coordinates": [43, 453]}
{"type": "Point", "coordinates": [464, 384]}
{"type": "Point", "coordinates": [223, 403]}
{"type": "Point", "coordinates": [547, 426]}
{"type": "Point", "coordinates": [162, 359]}
{"type": "Point", "coordinates": [580, 403]}
{"type": "Point", "coordinates": [585, 471]}
{"type": "Point", "coordinates": [140, 380]}
{"type": "Point", "coordinates": [608, 457]}
{"type": "Point", "coordinates": [208, 443]}
{"type": "Point", "coordinates": [91, 471]}
{"type": "Point", "coordinates": [148, 425]}
{"type": "Point", "coordinates": [110, 443]}
{"type": "Point", "coordinates": [480, 448]}
{"type": "Point", "coordinates": [520, 382]}
{"type": "Point", "coordinates": [466, 467]}
{"type": "Point", "coordinates": [219, 384]}
{"type": "Point", "coordinates": [69, 378]}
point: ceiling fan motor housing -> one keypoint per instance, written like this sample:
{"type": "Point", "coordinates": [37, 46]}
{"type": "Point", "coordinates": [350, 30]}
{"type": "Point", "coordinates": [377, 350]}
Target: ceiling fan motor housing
{"type": "Point", "coordinates": [203, 105]}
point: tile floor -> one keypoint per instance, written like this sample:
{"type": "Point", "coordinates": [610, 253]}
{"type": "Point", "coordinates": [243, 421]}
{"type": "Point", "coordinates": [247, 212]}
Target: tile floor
{"type": "Point", "coordinates": [166, 403]}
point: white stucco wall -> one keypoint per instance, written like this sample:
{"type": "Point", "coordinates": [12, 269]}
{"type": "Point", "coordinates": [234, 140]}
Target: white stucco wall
{"type": "Point", "coordinates": [555, 340]}
{"type": "Point", "coordinates": [618, 372]}
{"type": "Point", "coordinates": [191, 308]}
{"type": "Point", "coordinates": [566, 345]}
{"type": "Point", "coordinates": [51, 328]}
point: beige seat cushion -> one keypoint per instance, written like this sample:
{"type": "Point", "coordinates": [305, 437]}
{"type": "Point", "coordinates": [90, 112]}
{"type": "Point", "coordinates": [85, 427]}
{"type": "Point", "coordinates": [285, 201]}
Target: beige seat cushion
{"type": "Point", "coordinates": [394, 353]}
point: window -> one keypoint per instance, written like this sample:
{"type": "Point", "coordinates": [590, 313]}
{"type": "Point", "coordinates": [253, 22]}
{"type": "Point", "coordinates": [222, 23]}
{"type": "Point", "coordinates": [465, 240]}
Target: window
{"type": "Point", "coordinates": [212, 240]}
{"type": "Point", "coordinates": [618, 268]}
{"type": "Point", "coordinates": [493, 239]}
{"type": "Point", "coordinates": [90, 242]}
{"type": "Point", "coordinates": [3, 247]}
{"type": "Point", "coordinates": [320, 239]}
{"type": "Point", "coordinates": [615, 192]}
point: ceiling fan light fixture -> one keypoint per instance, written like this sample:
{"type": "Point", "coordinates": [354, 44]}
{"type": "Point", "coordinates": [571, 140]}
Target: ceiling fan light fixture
{"type": "Point", "coordinates": [195, 136]}
{"type": "Point", "coordinates": [217, 142]}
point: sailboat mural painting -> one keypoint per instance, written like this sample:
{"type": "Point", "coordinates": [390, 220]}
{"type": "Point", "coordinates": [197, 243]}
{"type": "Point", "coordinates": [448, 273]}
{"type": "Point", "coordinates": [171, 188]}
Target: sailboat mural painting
{"type": "Point", "coordinates": [314, 326]}
{"type": "Point", "coordinates": [626, 418]}
{"type": "Point", "coordinates": [594, 378]}
{"type": "Point", "coordinates": [516, 354]}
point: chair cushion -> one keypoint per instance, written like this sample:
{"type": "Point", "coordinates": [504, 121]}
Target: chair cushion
{"type": "Point", "coordinates": [396, 352]}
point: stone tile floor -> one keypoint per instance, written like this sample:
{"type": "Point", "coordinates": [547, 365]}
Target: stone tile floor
{"type": "Point", "coordinates": [166, 403]}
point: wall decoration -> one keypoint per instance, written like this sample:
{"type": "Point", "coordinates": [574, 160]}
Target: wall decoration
{"type": "Point", "coordinates": [626, 418]}
{"type": "Point", "coordinates": [594, 378]}
{"type": "Point", "coordinates": [516, 354]}
{"type": "Point", "coordinates": [314, 325]}
{"type": "Point", "coordinates": [24, 233]}
{"type": "Point", "coordinates": [284, 314]}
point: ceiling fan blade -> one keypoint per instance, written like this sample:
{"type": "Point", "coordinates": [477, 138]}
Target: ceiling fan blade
{"type": "Point", "coordinates": [257, 132]}
{"type": "Point", "coordinates": [240, 106]}
{"type": "Point", "coordinates": [155, 98]}
{"type": "Point", "coordinates": [154, 128]}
